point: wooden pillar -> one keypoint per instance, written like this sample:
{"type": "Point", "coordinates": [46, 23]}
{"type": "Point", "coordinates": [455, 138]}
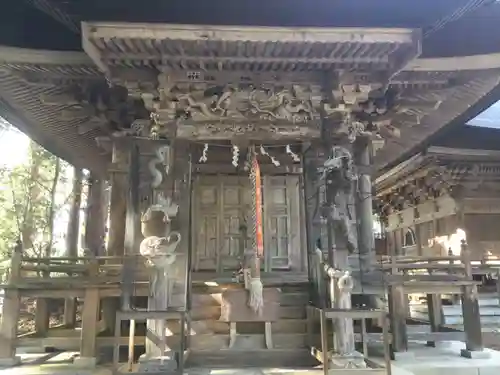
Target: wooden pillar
{"type": "Point", "coordinates": [94, 220]}
{"type": "Point", "coordinates": [42, 316]}
{"type": "Point", "coordinates": [74, 215]}
{"type": "Point", "coordinates": [167, 292]}
{"type": "Point", "coordinates": [418, 238]}
{"type": "Point", "coordinates": [364, 205]}
{"type": "Point", "coordinates": [10, 313]}
{"type": "Point", "coordinates": [470, 310]}
{"type": "Point", "coordinates": [73, 233]}
{"type": "Point", "coordinates": [436, 316]}
{"type": "Point", "coordinates": [397, 313]}
{"type": "Point", "coordinates": [90, 320]}
{"type": "Point", "coordinates": [470, 298]}
{"type": "Point", "coordinates": [69, 318]}
{"type": "Point", "coordinates": [118, 201]}
{"type": "Point", "coordinates": [132, 226]}
{"type": "Point", "coordinates": [117, 214]}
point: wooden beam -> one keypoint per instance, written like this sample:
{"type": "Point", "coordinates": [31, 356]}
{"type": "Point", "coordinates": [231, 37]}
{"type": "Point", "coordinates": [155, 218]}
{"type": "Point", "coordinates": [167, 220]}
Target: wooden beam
{"type": "Point", "coordinates": [220, 168]}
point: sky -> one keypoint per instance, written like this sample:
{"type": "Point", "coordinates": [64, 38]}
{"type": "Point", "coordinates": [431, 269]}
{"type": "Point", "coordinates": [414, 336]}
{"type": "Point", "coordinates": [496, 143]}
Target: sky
{"type": "Point", "coordinates": [13, 147]}
{"type": "Point", "coordinates": [14, 151]}
{"type": "Point", "coordinates": [489, 118]}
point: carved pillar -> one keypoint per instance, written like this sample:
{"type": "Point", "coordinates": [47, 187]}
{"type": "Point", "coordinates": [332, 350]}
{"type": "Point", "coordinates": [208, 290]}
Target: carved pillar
{"type": "Point", "coordinates": [364, 205]}
{"type": "Point", "coordinates": [94, 220]}
{"type": "Point", "coordinates": [166, 227]}
{"type": "Point", "coordinates": [338, 178]}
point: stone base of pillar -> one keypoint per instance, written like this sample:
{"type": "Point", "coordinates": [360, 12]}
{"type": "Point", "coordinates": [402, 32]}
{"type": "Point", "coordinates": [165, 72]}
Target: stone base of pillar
{"type": "Point", "coordinates": [404, 356]}
{"type": "Point", "coordinates": [157, 364]}
{"type": "Point", "coordinates": [9, 362]}
{"type": "Point", "coordinates": [474, 354]}
{"type": "Point", "coordinates": [85, 362]}
{"type": "Point", "coordinates": [30, 350]}
{"type": "Point", "coordinates": [353, 360]}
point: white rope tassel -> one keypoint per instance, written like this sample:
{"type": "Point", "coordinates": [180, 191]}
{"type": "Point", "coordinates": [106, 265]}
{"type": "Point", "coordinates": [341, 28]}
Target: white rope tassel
{"type": "Point", "coordinates": [293, 155]}
{"type": "Point", "coordinates": [236, 155]}
{"type": "Point", "coordinates": [203, 157]}
{"type": "Point", "coordinates": [256, 298]}
{"type": "Point", "coordinates": [273, 159]}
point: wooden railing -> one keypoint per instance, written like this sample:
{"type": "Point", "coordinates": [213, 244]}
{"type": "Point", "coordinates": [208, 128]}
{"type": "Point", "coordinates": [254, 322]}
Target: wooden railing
{"type": "Point", "coordinates": [66, 272]}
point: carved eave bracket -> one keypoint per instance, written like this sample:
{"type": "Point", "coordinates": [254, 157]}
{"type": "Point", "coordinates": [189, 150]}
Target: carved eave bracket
{"type": "Point", "coordinates": [425, 184]}
{"type": "Point", "coordinates": [222, 93]}
{"type": "Point", "coordinates": [100, 106]}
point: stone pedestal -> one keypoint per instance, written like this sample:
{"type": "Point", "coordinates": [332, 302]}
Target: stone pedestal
{"type": "Point", "coordinates": [9, 362]}
{"type": "Point", "coordinates": [85, 362]}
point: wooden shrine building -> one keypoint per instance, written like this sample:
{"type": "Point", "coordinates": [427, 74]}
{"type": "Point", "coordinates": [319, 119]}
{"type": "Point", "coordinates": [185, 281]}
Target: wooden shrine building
{"type": "Point", "coordinates": [445, 193]}
{"type": "Point", "coordinates": [240, 141]}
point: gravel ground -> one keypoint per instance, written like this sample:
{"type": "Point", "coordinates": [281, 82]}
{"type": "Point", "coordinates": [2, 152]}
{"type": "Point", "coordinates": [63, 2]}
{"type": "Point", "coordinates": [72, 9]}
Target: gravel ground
{"type": "Point", "coordinates": [491, 340]}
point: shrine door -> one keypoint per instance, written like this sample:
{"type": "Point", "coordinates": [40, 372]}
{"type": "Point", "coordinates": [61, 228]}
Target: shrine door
{"type": "Point", "coordinates": [222, 222]}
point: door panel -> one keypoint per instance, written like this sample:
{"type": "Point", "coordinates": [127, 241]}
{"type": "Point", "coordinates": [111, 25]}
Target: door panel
{"type": "Point", "coordinates": [281, 222]}
{"type": "Point", "coordinates": [221, 228]}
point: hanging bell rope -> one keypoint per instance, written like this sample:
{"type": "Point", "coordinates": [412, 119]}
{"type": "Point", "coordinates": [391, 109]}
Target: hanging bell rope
{"type": "Point", "coordinates": [256, 298]}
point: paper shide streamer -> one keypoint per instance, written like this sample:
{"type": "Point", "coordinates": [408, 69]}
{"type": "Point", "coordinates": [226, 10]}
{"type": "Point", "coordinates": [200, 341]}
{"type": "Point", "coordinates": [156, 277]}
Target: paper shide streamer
{"type": "Point", "coordinates": [203, 157]}
{"type": "Point", "coordinates": [275, 161]}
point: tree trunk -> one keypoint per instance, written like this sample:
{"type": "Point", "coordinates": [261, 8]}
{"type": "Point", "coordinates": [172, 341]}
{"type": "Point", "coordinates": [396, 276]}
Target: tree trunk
{"type": "Point", "coordinates": [51, 208]}
{"type": "Point", "coordinates": [26, 222]}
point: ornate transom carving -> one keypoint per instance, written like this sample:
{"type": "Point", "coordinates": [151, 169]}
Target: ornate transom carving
{"type": "Point", "coordinates": [235, 104]}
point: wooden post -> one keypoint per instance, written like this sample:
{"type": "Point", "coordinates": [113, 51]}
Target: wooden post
{"type": "Point", "coordinates": [42, 316]}
{"type": "Point", "coordinates": [69, 318]}
{"type": "Point", "coordinates": [470, 310]}
{"type": "Point", "coordinates": [418, 235]}
{"type": "Point", "coordinates": [118, 201]}
{"type": "Point", "coordinates": [498, 286]}
{"type": "Point", "coordinates": [90, 317]}
{"type": "Point", "coordinates": [364, 206]}
{"type": "Point", "coordinates": [117, 215]}
{"type": "Point", "coordinates": [10, 313]}
{"type": "Point", "coordinates": [397, 313]}
{"type": "Point", "coordinates": [94, 221]}
{"type": "Point", "coordinates": [74, 215]}
{"type": "Point", "coordinates": [436, 316]}
{"type": "Point", "coordinates": [72, 237]}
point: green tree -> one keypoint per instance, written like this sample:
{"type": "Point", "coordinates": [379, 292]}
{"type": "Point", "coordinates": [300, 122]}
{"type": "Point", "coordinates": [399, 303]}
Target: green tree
{"type": "Point", "coordinates": [28, 202]}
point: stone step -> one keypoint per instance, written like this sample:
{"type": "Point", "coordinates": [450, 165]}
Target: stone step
{"type": "Point", "coordinates": [269, 358]}
{"type": "Point", "coordinates": [293, 298]}
{"type": "Point", "coordinates": [458, 320]}
{"type": "Point", "coordinates": [486, 302]}
{"type": "Point", "coordinates": [212, 341]}
{"type": "Point", "coordinates": [213, 312]}
{"type": "Point", "coordinates": [218, 327]}
{"type": "Point", "coordinates": [456, 310]}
